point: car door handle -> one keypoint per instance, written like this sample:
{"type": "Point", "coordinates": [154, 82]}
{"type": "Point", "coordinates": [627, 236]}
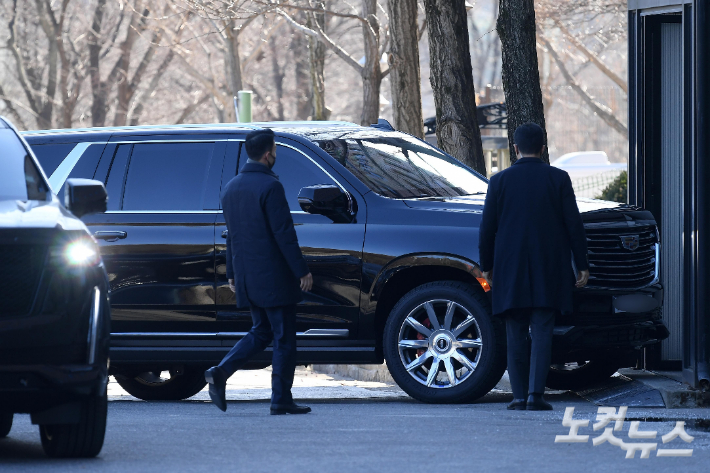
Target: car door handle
{"type": "Point", "coordinates": [110, 235]}
{"type": "Point", "coordinates": [225, 233]}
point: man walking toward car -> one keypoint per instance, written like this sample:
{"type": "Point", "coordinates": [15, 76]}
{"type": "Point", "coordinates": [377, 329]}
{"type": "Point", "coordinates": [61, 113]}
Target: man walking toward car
{"type": "Point", "coordinates": [531, 233]}
{"type": "Point", "coordinates": [266, 270]}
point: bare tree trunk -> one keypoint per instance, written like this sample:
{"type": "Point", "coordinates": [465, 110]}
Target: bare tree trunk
{"type": "Point", "coordinates": [127, 85]}
{"type": "Point", "coordinates": [299, 49]}
{"type": "Point", "coordinates": [278, 75]}
{"type": "Point", "coordinates": [146, 94]}
{"type": "Point", "coordinates": [371, 73]}
{"type": "Point", "coordinates": [316, 53]}
{"type": "Point", "coordinates": [40, 101]}
{"type": "Point", "coordinates": [521, 80]}
{"type": "Point", "coordinates": [403, 61]}
{"type": "Point", "coordinates": [451, 78]}
{"type": "Point", "coordinates": [234, 64]}
{"type": "Point", "coordinates": [98, 92]}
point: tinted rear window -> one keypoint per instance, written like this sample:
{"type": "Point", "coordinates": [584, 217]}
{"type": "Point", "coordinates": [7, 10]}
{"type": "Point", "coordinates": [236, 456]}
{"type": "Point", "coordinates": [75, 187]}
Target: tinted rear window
{"type": "Point", "coordinates": [399, 166]}
{"type": "Point", "coordinates": [167, 176]}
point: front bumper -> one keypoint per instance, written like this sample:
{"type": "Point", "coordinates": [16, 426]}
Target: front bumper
{"type": "Point", "coordinates": [32, 388]}
{"type": "Point", "coordinates": [597, 327]}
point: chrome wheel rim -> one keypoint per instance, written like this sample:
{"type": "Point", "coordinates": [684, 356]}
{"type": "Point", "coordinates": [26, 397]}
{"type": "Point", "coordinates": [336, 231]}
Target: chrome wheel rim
{"type": "Point", "coordinates": [440, 343]}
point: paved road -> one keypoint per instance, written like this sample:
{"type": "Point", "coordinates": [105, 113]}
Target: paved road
{"type": "Point", "coordinates": [378, 433]}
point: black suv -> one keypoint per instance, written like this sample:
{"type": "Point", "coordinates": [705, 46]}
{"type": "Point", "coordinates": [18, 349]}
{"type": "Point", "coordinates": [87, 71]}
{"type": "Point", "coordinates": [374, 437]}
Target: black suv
{"type": "Point", "coordinates": [54, 308]}
{"type": "Point", "coordinates": [389, 227]}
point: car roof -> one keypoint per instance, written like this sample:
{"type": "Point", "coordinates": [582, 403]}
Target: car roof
{"type": "Point", "coordinates": [205, 127]}
{"type": "Point", "coordinates": [310, 130]}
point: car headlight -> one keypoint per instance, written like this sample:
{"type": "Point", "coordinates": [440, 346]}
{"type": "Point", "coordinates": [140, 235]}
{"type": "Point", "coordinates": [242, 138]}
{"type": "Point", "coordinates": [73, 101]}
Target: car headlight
{"type": "Point", "coordinates": [82, 252]}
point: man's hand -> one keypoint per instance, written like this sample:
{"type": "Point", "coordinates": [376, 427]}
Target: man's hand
{"type": "Point", "coordinates": [582, 278]}
{"type": "Point", "coordinates": [231, 285]}
{"type": "Point", "coordinates": [307, 282]}
{"type": "Point", "coordinates": [488, 276]}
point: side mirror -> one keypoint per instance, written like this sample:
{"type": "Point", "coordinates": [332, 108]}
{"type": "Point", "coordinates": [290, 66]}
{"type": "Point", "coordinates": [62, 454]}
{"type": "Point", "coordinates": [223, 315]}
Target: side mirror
{"type": "Point", "coordinates": [85, 196]}
{"type": "Point", "coordinates": [328, 200]}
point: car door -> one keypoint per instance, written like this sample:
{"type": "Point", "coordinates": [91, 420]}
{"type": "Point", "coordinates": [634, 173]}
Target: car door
{"type": "Point", "coordinates": [157, 237]}
{"type": "Point", "coordinates": [333, 252]}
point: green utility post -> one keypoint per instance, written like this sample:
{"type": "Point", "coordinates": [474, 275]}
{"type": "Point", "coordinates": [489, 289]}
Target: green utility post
{"type": "Point", "coordinates": [245, 97]}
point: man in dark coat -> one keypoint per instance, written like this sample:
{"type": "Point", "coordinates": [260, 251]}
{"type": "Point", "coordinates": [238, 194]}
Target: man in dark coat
{"type": "Point", "coordinates": [531, 237]}
{"type": "Point", "coordinates": [266, 270]}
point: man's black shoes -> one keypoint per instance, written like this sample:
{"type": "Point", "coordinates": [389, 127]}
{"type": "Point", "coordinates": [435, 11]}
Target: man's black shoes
{"type": "Point", "coordinates": [537, 403]}
{"type": "Point", "coordinates": [281, 409]}
{"type": "Point", "coordinates": [517, 405]}
{"type": "Point", "coordinates": [218, 386]}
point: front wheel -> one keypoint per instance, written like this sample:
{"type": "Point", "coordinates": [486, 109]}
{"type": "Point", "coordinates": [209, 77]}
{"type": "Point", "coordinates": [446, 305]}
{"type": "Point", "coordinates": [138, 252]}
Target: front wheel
{"type": "Point", "coordinates": [5, 423]}
{"type": "Point", "coordinates": [165, 385]}
{"type": "Point", "coordinates": [82, 440]}
{"type": "Point", "coordinates": [442, 345]}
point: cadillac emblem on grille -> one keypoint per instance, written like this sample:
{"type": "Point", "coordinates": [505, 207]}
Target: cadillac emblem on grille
{"type": "Point", "coordinates": [630, 242]}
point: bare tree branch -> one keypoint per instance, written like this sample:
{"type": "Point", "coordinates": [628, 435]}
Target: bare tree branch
{"type": "Point", "coordinates": [187, 111]}
{"type": "Point", "coordinates": [593, 57]}
{"type": "Point", "coordinates": [10, 107]}
{"type": "Point", "coordinates": [601, 110]}
{"type": "Point", "coordinates": [318, 33]}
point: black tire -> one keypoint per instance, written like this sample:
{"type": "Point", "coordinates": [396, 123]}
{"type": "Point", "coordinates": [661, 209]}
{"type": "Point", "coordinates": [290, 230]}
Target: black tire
{"type": "Point", "coordinates": [5, 423]}
{"type": "Point", "coordinates": [82, 440]}
{"type": "Point", "coordinates": [579, 376]}
{"type": "Point", "coordinates": [150, 386]}
{"type": "Point", "coordinates": [469, 303]}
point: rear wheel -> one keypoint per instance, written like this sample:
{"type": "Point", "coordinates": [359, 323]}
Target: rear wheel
{"type": "Point", "coordinates": [165, 385]}
{"type": "Point", "coordinates": [5, 423]}
{"type": "Point", "coordinates": [442, 344]}
{"type": "Point", "coordinates": [84, 439]}
{"type": "Point", "coordinates": [580, 375]}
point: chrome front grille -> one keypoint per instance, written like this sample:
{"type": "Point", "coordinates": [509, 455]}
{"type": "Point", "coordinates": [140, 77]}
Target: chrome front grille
{"type": "Point", "coordinates": [622, 257]}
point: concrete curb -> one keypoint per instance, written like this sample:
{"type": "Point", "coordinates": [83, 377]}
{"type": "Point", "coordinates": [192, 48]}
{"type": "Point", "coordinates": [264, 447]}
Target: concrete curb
{"type": "Point", "coordinates": [371, 373]}
{"type": "Point", "coordinates": [380, 374]}
{"type": "Point", "coordinates": [674, 393]}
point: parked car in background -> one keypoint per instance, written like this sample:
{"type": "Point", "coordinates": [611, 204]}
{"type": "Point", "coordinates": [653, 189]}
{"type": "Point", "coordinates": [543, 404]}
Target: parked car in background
{"type": "Point", "coordinates": [587, 163]}
{"type": "Point", "coordinates": [389, 227]}
{"type": "Point", "coordinates": [54, 306]}
{"type": "Point", "coordinates": [591, 171]}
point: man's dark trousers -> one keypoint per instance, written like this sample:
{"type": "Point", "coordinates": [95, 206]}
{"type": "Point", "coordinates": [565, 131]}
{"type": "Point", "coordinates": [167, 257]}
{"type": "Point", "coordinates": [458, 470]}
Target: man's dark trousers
{"type": "Point", "coordinates": [277, 324]}
{"type": "Point", "coordinates": [528, 367]}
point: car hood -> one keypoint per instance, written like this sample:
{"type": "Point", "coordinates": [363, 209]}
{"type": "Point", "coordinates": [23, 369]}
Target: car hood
{"type": "Point", "coordinates": [37, 214]}
{"type": "Point", "coordinates": [474, 204]}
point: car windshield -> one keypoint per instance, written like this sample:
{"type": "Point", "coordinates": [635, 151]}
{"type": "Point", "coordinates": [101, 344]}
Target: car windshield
{"type": "Point", "coordinates": [19, 177]}
{"type": "Point", "coordinates": [399, 166]}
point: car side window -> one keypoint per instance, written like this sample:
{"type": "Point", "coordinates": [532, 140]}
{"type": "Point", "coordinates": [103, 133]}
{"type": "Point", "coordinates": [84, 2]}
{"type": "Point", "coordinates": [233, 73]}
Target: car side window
{"type": "Point", "coordinates": [36, 188]}
{"type": "Point", "coordinates": [68, 160]}
{"type": "Point", "coordinates": [296, 171]}
{"type": "Point", "coordinates": [50, 156]}
{"type": "Point", "coordinates": [166, 176]}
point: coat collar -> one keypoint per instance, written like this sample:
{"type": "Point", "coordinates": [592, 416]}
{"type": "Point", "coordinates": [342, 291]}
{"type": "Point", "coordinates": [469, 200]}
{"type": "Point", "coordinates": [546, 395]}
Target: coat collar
{"type": "Point", "coordinates": [529, 161]}
{"type": "Point", "coordinates": [255, 167]}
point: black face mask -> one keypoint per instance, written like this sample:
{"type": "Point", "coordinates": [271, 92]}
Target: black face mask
{"type": "Point", "coordinates": [269, 163]}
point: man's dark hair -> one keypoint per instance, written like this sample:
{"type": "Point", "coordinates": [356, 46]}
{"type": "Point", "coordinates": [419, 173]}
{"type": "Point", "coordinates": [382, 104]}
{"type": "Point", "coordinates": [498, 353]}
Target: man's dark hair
{"type": "Point", "coordinates": [529, 137]}
{"type": "Point", "coordinates": [259, 142]}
